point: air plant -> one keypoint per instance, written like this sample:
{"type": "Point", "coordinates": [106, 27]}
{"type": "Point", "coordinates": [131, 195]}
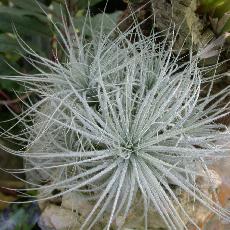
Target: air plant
{"type": "Point", "coordinates": [121, 117]}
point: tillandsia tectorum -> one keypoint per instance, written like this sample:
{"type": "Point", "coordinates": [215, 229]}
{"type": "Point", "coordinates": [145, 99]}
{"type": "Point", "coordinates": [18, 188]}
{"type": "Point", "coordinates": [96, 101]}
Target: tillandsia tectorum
{"type": "Point", "coordinates": [117, 120]}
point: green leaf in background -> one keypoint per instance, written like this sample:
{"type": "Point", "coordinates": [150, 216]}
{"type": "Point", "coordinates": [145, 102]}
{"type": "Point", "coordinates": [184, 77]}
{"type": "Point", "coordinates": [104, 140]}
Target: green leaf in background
{"type": "Point", "coordinates": [226, 27]}
{"type": "Point", "coordinates": [31, 5]}
{"type": "Point", "coordinates": [219, 11]}
{"type": "Point", "coordinates": [9, 85]}
{"type": "Point", "coordinates": [24, 25]}
{"type": "Point", "coordinates": [217, 8]}
{"type": "Point", "coordinates": [222, 9]}
{"type": "Point", "coordinates": [8, 43]}
{"type": "Point", "coordinates": [22, 12]}
{"type": "Point", "coordinates": [211, 3]}
{"type": "Point", "coordinates": [7, 70]}
{"type": "Point", "coordinates": [109, 22]}
{"type": "Point", "coordinates": [82, 4]}
{"type": "Point", "coordinates": [5, 2]}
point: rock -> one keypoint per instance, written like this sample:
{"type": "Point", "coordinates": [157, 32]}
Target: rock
{"type": "Point", "coordinates": [75, 208]}
{"type": "Point", "coordinates": [77, 202]}
{"type": "Point", "coordinates": [57, 218]}
{"type": "Point", "coordinates": [210, 181]}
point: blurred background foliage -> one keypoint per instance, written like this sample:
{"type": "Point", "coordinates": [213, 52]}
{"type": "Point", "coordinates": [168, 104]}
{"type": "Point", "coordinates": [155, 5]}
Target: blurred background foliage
{"type": "Point", "coordinates": [30, 19]}
{"type": "Point", "coordinates": [219, 13]}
